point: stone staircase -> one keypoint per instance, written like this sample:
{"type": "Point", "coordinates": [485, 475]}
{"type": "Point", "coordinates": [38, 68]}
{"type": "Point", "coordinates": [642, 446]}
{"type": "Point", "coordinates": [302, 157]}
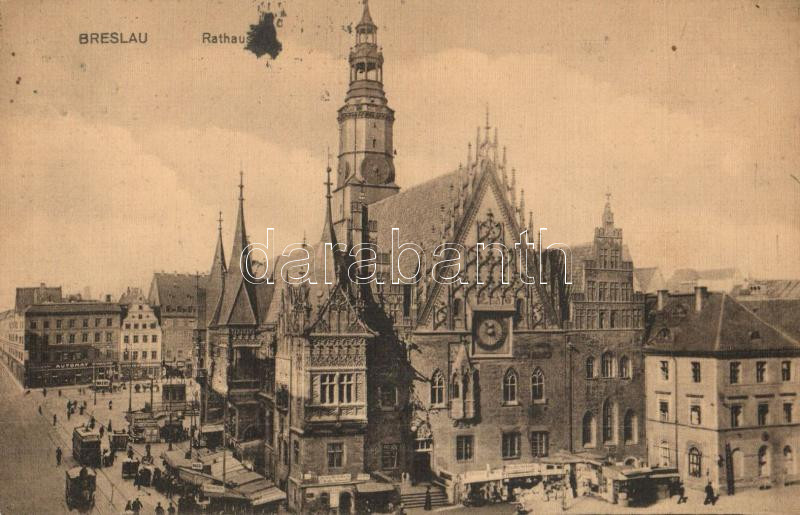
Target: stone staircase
{"type": "Point", "coordinates": [414, 497]}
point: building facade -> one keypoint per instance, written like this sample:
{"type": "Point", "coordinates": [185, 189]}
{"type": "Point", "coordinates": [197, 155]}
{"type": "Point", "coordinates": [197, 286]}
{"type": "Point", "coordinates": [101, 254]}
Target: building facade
{"type": "Point", "coordinates": [722, 390]}
{"type": "Point", "coordinates": [139, 346]}
{"type": "Point", "coordinates": [12, 343]}
{"type": "Point", "coordinates": [174, 299]}
{"type": "Point", "coordinates": [70, 342]}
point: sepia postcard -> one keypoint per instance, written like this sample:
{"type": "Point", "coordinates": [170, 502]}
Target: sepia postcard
{"type": "Point", "coordinates": [399, 256]}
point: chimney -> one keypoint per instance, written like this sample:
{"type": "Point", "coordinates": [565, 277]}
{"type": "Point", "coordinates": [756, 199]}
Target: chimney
{"type": "Point", "coordinates": [700, 293]}
{"type": "Point", "coordinates": [663, 295]}
{"type": "Point", "coordinates": [108, 297]}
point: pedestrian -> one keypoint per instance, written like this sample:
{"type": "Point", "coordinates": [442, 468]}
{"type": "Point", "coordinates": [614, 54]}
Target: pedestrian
{"type": "Point", "coordinates": [710, 497]}
{"type": "Point", "coordinates": [428, 502]}
{"type": "Point", "coordinates": [681, 493]}
{"type": "Point", "coordinates": [40, 409]}
{"type": "Point", "coordinates": [130, 452]}
{"type": "Point", "coordinates": [54, 419]}
{"type": "Point", "coordinates": [59, 392]}
{"type": "Point", "coordinates": [109, 426]}
{"type": "Point", "coordinates": [128, 509]}
{"type": "Point", "coordinates": [110, 405]}
{"type": "Point", "coordinates": [102, 430]}
{"type": "Point", "coordinates": [137, 480]}
{"type": "Point", "coordinates": [44, 392]}
{"type": "Point", "coordinates": [171, 509]}
{"type": "Point", "coordinates": [159, 509]}
{"type": "Point", "coordinates": [137, 506]}
{"type": "Point", "coordinates": [58, 456]}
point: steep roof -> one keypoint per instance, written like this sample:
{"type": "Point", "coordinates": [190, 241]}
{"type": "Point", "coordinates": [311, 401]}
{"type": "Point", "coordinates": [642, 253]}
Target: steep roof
{"type": "Point", "coordinates": [36, 295]}
{"type": "Point", "coordinates": [648, 280]}
{"type": "Point", "coordinates": [73, 308]}
{"type": "Point", "coordinates": [175, 293]}
{"type": "Point", "coordinates": [724, 327]}
{"type": "Point", "coordinates": [132, 296]}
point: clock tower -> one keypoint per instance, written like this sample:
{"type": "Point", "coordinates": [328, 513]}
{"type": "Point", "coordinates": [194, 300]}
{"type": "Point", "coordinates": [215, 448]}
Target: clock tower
{"type": "Point", "coordinates": [366, 151]}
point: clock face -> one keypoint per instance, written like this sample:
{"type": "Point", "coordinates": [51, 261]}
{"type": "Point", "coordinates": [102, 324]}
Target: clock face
{"type": "Point", "coordinates": [491, 334]}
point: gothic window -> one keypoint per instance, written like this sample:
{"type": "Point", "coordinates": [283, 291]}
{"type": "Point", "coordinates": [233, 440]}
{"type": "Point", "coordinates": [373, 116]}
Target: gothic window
{"type": "Point", "coordinates": [455, 387]}
{"type": "Point", "coordinates": [609, 432]}
{"type": "Point", "coordinates": [630, 427]}
{"type": "Point", "coordinates": [589, 367]}
{"type": "Point", "coordinates": [437, 389]}
{"type": "Point", "coordinates": [612, 321]}
{"type": "Point", "coordinates": [695, 463]}
{"type": "Point", "coordinates": [607, 364]}
{"type": "Point", "coordinates": [345, 388]}
{"type": "Point", "coordinates": [510, 387]}
{"type": "Point", "coordinates": [537, 385]}
{"type": "Point", "coordinates": [587, 435]}
{"type": "Point", "coordinates": [327, 386]}
{"type": "Point", "coordinates": [590, 289]}
{"type": "Point", "coordinates": [624, 367]}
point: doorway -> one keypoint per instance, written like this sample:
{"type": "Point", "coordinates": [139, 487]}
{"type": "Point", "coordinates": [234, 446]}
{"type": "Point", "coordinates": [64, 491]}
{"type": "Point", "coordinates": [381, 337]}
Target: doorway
{"type": "Point", "coordinates": [345, 503]}
{"type": "Point", "coordinates": [422, 466]}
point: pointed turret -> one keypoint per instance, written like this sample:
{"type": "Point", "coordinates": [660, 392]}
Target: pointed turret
{"type": "Point", "coordinates": [218, 264]}
{"type": "Point", "coordinates": [366, 18]}
{"type": "Point", "coordinates": [608, 215]}
{"type": "Point", "coordinates": [216, 280]}
{"type": "Point", "coordinates": [240, 234]}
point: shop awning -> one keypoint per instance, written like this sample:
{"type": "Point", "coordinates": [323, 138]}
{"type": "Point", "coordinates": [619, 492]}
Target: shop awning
{"type": "Point", "coordinates": [212, 428]}
{"type": "Point", "coordinates": [271, 494]}
{"type": "Point", "coordinates": [374, 487]}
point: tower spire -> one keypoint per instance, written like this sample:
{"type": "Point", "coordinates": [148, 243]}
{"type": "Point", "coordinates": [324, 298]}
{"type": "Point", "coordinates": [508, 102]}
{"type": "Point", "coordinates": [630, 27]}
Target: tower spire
{"type": "Point", "coordinates": [240, 234]}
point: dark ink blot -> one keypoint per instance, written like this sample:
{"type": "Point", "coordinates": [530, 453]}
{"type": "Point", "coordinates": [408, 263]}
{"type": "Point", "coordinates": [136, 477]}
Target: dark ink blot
{"type": "Point", "coordinates": [674, 48]}
{"type": "Point", "coordinates": [13, 54]}
{"type": "Point", "coordinates": [35, 92]}
{"type": "Point", "coordinates": [19, 79]}
{"type": "Point", "coordinates": [262, 38]}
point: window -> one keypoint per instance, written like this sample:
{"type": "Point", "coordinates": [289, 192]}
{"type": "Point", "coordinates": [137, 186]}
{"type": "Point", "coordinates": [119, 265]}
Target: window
{"type": "Point", "coordinates": [630, 427]}
{"type": "Point", "coordinates": [109, 337]}
{"type": "Point", "coordinates": [97, 322]}
{"type": "Point", "coordinates": [388, 396]}
{"type": "Point", "coordinates": [455, 387]}
{"type": "Point", "coordinates": [58, 324]}
{"type": "Point", "coordinates": [696, 377]}
{"type": "Point", "coordinates": [154, 355]}
{"type": "Point", "coordinates": [510, 387]}
{"type": "Point", "coordinates": [589, 368]}
{"type": "Point", "coordinates": [136, 326]}
{"type": "Point", "coordinates": [787, 413]}
{"type": "Point", "coordinates": [539, 444]}
{"type": "Point", "coordinates": [694, 415]}
{"type": "Point", "coordinates": [786, 371]}
{"type": "Point", "coordinates": [695, 463]}
{"type": "Point", "coordinates": [761, 371]}
{"type": "Point", "coordinates": [464, 447]}
{"type": "Point", "coordinates": [135, 355]}
{"type": "Point", "coordinates": [71, 323]}
{"type": "Point", "coordinates": [85, 338]}
{"type": "Point", "coordinates": [389, 456]}
{"type": "Point", "coordinates": [58, 338]}
{"type": "Point", "coordinates": [763, 461]}
{"type": "Point", "coordinates": [734, 373]}
{"type": "Point", "coordinates": [144, 338]}
{"type": "Point", "coordinates": [609, 433]}
{"type": "Point", "coordinates": [96, 337]}
{"type": "Point", "coordinates": [345, 388]}
{"type": "Point", "coordinates": [154, 339]}
{"type": "Point", "coordinates": [437, 389]}
{"type": "Point", "coordinates": [46, 324]}
{"type": "Point", "coordinates": [125, 339]}
{"type": "Point", "coordinates": [663, 411]}
{"type": "Point", "coordinates": [46, 339]}
{"type": "Point", "coordinates": [72, 338]}
{"type": "Point", "coordinates": [135, 338]}
{"type": "Point", "coordinates": [537, 385]}
{"type": "Point", "coordinates": [736, 415]}
{"type": "Point", "coordinates": [763, 413]}
{"type": "Point", "coordinates": [327, 385]}
{"type": "Point", "coordinates": [109, 321]}
{"type": "Point", "coordinates": [335, 455]}
{"type": "Point", "coordinates": [664, 454]}
{"type": "Point", "coordinates": [406, 300]}
{"type": "Point", "coordinates": [607, 365]}
{"type": "Point", "coordinates": [664, 365]}
{"type": "Point", "coordinates": [85, 322]}
{"type": "Point", "coordinates": [511, 445]}
{"type": "Point", "coordinates": [624, 367]}
{"type": "Point", "coordinates": [587, 435]}
{"type": "Point", "coordinates": [296, 451]}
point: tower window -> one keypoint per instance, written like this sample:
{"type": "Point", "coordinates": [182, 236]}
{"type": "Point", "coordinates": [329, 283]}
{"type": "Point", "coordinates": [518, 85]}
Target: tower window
{"type": "Point", "coordinates": [374, 142]}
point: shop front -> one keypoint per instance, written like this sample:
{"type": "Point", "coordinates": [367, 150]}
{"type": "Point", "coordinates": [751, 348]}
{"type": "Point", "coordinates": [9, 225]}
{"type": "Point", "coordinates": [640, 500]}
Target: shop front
{"type": "Point", "coordinates": [69, 373]}
{"type": "Point", "coordinates": [342, 493]}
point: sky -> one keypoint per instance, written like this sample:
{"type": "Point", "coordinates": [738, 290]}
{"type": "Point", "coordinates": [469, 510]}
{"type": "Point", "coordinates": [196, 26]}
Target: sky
{"type": "Point", "coordinates": [116, 159]}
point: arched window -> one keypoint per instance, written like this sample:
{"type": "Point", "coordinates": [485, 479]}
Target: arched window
{"type": "Point", "coordinates": [537, 385]}
{"type": "Point", "coordinates": [437, 388]}
{"type": "Point", "coordinates": [609, 432]}
{"type": "Point", "coordinates": [510, 387]}
{"type": "Point", "coordinates": [624, 367]}
{"type": "Point", "coordinates": [588, 430]}
{"type": "Point", "coordinates": [695, 463]}
{"type": "Point", "coordinates": [630, 427]}
{"type": "Point", "coordinates": [788, 460]}
{"type": "Point", "coordinates": [455, 387]}
{"type": "Point", "coordinates": [664, 454]}
{"type": "Point", "coordinates": [607, 364]}
{"type": "Point", "coordinates": [456, 307]}
{"type": "Point", "coordinates": [763, 461]}
{"type": "Point", "coordinates": [589, 367]}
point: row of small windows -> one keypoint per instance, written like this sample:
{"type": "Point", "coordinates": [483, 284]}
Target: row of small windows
{"type": "Point", "coordinates": [84, 338]}
{"type": "Point", "coordinates": [135, 355]}
{"type": "Point", "coordinates": [609, 258]}
{"type": "Point", "coordinates": [510, 445]}
{"type": "Point", "coordinates": [153, 338]}
{"type": "Point", "coordinates": [735, 371]}
{"type": "Point", "coordinates": [607, 319]}
{"type": "Point", "coordinates": [33, 324]}
{"type": "Point", "coordinates": [510, 387]}
{"type": "Point", "coordinates": [609, 291]}
{"type": "Point", "coordinates": [143, 325]}
{"type": "Point", "coordinates": [609, 367]}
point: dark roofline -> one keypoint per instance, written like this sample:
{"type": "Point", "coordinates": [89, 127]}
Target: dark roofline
{"type": "Point", "coordinates": [725, 354]}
